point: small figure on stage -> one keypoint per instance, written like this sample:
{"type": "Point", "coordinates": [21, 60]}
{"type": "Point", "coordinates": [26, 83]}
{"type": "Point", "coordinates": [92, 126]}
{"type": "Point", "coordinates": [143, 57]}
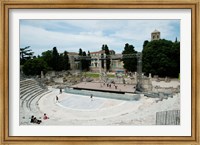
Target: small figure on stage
{"type": "Point", "coordinates": [56, 99]}
{"type": "Point", "coordinates": [91, 97]}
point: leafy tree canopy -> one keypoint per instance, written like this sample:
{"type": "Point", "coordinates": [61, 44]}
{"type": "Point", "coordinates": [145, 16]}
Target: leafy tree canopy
{"type": "Point", "coordinates": [85, 61]}
{"type": "Point", "coordinates": [129, 58]}
{"type": "Point", "coordinates": [35, 66]}
{"type": "Point", "coordinates": [161, 57]}
{"type": "Point", "coordinates": [50, 60]}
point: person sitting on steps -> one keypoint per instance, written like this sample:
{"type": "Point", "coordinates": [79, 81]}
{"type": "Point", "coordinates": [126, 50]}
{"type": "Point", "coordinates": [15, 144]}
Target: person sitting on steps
{"type": "Point", "coordinates": [35, 120]}
{"type": "Point", "coordinates": [32, 119]}
{"type": "Point", "coordinates": [45, 116]}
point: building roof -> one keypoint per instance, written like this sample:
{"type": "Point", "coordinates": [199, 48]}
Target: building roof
{"type": "Point", "coordinates": [112, 50]}
{"type": "Point", "coordinates": [72, 53]}
{"type": "Point", "coordinates": [101, 51]}
{"type": "Point", "coordinates": [98, 52]}
{"type": "Point", "coordinates": [156, 31]}
{"type": "Point", "coordinates": [116, 56]}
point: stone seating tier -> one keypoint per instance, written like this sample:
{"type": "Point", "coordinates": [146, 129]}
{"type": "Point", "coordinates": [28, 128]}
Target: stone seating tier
{"type": "Point", "coordinates": [34, 102]}
{"type": "Point", "coordinates": [29, 93]}
{"type": "Point", "coordinates": [22, 85]}
{"type": "Point", "coordinates": [25, 101]}
{"type": "Point", "coordinates": [33, 97]}
{"type": "Point", "coordinates": [25, 90]}
{"type": "Point", "coordinates": [28, 96]}
{"type": "Point", "coordinates": [26, 105]}
{"type": "Point", "coordinates": [28, 82]}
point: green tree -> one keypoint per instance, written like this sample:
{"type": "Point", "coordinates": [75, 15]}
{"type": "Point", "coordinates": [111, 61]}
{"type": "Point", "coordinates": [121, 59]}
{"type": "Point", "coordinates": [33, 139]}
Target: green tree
{"type": "Point", "coordinates": [50, 60]}
{"type": "Point", "coordinates": [25, 54]}
{"type": "Point", "coordinates": [145, 43]}
{"type": "Point", "coordinates": [102, 56]}
{"type": "Point", "coordinates": [80, 52]}
{"type": "Point", "coordinates": [34, 66]}
{"type": "Point", "coordinates": [107, 52]}
{"type": "Point", "coordinates": [84, 61]}
{"type": "Point", "coordinates": [47, 56]}
{"type": "Point", "coordinates": [81, 59]}
{"type": "Point", "coordinates": [55, 59]}
{"type": "Point", "coordinates": [61, 62]}
{"type": "Point", "coordinates": [66, 61]}
{"type": "Point", "coordinates": [161, 57]}
{"type": "Point", "coordinates": [89, 60]}
{"type": "Point", "coordinates": [129, 58]}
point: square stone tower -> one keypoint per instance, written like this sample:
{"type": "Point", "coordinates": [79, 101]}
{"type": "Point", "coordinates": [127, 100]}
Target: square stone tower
{"type": "Point", "coordinates": [155, 35]}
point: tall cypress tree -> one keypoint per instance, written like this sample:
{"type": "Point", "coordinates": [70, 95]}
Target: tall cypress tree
{"type": "Point", "coordinates": [66, 61]}
{"type": "Point", "coordinates": [102, 56]}
{"type": "Point", "coordinates": [81, 59]}
{"type": "Point", "coordinates": [84, 61]}
{"type": "Point", "coordinates": [55, 57]}
{"type": "Point", "coordinates": [89, 60]}
{"type": "Point", "coordinates": [107, 52]}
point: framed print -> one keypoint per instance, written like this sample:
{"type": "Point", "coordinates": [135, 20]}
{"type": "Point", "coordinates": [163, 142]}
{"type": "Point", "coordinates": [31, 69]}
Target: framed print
{"type": "Point", "coordinates": [104, 72]}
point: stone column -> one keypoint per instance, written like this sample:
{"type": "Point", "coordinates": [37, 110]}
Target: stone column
{"type": "Point", "coordinates": [135, 77]}
{"type": "Point", "coordinates": [150, 75]}
{"type": "Point", "coordinates": [42, 75]}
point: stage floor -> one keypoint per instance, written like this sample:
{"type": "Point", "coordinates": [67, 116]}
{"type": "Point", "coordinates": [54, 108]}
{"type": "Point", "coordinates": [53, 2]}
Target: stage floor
{"type": "Point", "coordinates": [95, 86]}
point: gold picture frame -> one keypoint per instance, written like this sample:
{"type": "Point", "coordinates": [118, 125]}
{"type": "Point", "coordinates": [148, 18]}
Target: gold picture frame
{"type": "Point", "coordinates": [194, 5]}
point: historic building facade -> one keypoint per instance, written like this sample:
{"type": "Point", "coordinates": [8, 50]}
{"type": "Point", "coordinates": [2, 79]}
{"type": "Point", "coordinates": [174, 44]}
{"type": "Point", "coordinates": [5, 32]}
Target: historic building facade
{"type": "Point", "coordinates": [115, 64]}
{"type": "Point", "coordinates": [74, 65]}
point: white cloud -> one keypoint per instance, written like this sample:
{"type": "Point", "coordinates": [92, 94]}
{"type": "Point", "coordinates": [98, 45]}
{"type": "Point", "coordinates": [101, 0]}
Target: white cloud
{"type": "Point", "coordinates": [70, 35]}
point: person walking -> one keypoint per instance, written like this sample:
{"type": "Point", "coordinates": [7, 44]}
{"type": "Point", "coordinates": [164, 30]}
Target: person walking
{"type": "Point", "coordinates": [60, 91]}
{"type": "Point", "coordinates": [57, 99]}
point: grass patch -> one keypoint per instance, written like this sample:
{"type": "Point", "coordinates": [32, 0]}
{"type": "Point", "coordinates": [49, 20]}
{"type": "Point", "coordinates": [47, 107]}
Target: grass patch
{"type": "Point", "coordinates": [110, 75]}
{"type": "Point", "coordinates": [96, 75]}
{"type": "Point", "coordinates": [92, 75]}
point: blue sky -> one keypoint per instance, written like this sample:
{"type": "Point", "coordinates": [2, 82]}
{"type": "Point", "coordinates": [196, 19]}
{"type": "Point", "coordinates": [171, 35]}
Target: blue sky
{"type": "Point", "coordinates": [90, 35]}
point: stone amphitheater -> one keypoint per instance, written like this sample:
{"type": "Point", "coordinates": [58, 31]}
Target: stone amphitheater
{"type": "Point", "coordinates": [74, 109]}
